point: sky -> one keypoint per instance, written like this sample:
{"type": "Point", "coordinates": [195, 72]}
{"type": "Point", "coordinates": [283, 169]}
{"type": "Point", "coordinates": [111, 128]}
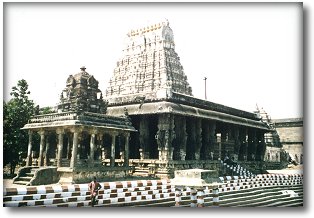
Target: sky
{"type": "Point", "coordinates": [251, 54]}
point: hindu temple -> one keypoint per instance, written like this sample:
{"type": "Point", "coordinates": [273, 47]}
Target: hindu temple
{"type": "Point", "coordinates": [147, 123]}
{"type": "Point", "coordinates": [175, 129]}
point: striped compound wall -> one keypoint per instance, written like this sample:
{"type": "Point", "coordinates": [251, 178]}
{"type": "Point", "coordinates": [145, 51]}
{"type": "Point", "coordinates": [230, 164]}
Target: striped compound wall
{"type": "Point", "coordinates": [126, 193]}
{"type": "Point", "coordinates": [263, 190]}
{"type": "Point", "coordinates": [152, 193]}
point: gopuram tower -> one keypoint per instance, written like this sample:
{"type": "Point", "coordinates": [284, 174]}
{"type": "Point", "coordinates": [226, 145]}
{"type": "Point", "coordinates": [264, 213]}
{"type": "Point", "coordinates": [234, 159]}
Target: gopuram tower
{"type": "Point", "coordinates": [149, 66]}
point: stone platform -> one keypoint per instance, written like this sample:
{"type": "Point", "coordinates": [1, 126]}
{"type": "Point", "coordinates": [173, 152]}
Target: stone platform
{"type": "Point", "coordinates": [195, 177]}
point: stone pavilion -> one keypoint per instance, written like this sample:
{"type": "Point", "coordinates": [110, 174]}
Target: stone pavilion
{"type": "Point", "coordinates": [80, 136]}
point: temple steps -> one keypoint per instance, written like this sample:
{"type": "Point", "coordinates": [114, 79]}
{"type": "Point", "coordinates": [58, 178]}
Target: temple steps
{"type": "Point", "coordinates": [65, 163]}
{"type": "Point", "coordinates": [23, 180]}
{"type": "Point", "coordinates": [265, 190]}
{"type": "Point", "coordinates": [26, 177]}
{"type": "Point", "coordinates": [20, 182]}
{"type": "Point", "coordinates": [235, 169]}
{"type": "Point", "coordinates": [254, 197]}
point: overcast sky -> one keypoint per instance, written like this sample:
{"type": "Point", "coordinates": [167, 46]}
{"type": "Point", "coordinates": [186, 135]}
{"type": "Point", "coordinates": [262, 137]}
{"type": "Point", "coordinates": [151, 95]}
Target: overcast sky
{"type": "Point", "coordinates": [250, 53]}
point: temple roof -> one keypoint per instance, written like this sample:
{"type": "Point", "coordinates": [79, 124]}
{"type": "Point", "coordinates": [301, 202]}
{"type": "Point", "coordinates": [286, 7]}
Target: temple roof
{"type": "Point", "coordinates": [168, 106]}
{"type": "Point", "coordinates": [81, 105]}
{"type": "Point", "coordinates": [288, 122]}
{"type": "Point", "coordinates": [73, 119]}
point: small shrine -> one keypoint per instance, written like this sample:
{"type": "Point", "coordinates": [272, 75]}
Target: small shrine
{"type": "Point", "coordinates": [81, 140]}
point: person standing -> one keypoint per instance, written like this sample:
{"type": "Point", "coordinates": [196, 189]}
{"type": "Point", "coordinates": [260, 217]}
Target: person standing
{"type": "Point", "coordinates": [93, 187]}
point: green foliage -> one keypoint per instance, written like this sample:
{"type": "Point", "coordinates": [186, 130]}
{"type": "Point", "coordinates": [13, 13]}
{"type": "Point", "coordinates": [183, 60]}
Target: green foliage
{"type": "Point", "coordinates": [16, 114]}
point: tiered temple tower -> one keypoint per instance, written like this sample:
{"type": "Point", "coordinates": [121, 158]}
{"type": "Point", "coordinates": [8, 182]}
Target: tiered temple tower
{"type": "Point", "coordinates": [82, 94]}
{"type": "Point", "coordinates": [149, 67]}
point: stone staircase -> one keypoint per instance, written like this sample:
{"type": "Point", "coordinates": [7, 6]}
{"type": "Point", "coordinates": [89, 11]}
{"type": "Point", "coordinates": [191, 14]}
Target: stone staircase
{"type": "Point", "coordinates": [235, 170]}
{"type": "Point", "coordinates": [25, 177]}
{"type": "Point", "coordinates": [264, 190]}
{"type": "Point", "coordinates": [65, 163]}
{"type": "Point", "coordinates": [260, 191]}
{"type": "Point", "coordinates": [263, 197]}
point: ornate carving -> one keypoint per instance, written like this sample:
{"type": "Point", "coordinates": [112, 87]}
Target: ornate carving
{"type": "Point", "coordinates": [70, 82]}
{"type": "Point", "coordinates": [149, 67]}
{"type": "Point", "coordinates": [82, 94]}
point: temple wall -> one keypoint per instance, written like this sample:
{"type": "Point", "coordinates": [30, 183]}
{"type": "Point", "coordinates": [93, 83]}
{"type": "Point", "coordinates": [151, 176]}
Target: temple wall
{"type": "Point", "coordinates": [290, 132]}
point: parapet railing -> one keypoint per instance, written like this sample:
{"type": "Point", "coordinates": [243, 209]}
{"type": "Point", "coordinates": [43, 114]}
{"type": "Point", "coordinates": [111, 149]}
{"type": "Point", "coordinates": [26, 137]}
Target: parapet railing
{"type": "Point", "coordinates": [53, 117]}
{"type": "Point", "coordinates": [121, 121]}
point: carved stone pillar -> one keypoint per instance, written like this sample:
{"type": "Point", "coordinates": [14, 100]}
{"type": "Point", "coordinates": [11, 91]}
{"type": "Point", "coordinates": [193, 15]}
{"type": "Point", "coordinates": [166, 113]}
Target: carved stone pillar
{"type": "Point", "coordinates": [177, 140]}
{"type": "Point", "coordinates": [172, 136]}
{"type": "Point", "coordinates": [252, 145]}
{"type": "Point", "coordinates": [205, 151]}
{"type": "Point", "coordinates": [261, 146]}
{"type": "Point", "coordinates": [218, 139]}
{"type": "Point", "coordinates": [255, 142]}
{"type": "Point", "coordinates": [212, 139]}
{"type": "Point", "coordinates": [224, 140]}
{"type": "Point", "coordinates": [60, 133]}
{"type": "Point", "coordinates": [46, 155]}
{"type": "Point", "coordinates": [126, 149]}
{"type": "Point", "coordinates": [100, 145]}
{"type": "Point", "coordinates": [191, 139]}
{"type": "Point", "coordinates": [70, 139]}
{"type": "Point", "coordinates": [29, 149]}
{"type": "Point", "coordinates": [92, 147]}
{"type": "Point", "coordinates": [113, 152]}
{"type": "Point", "coordinates": [184, 138]}
{"type": "Point", "coordinates": [230, 140]}
{"type": "Point", "coordinates": [74, 148]}
{"type": "Point", "coordinates": [180, 139]}
{"type": "Point", "coordinates": [41, 148]}
{"type": "Point", "coordinates": [165, 135]}
{"type": "Point", "coordinates": [144, 137]}
{"type": "Point", "coordinates": [198, 138]}
{"type": "Point", "coordinates": [246, 146]}
{"type": "Point", "coordinates": [237, 143]}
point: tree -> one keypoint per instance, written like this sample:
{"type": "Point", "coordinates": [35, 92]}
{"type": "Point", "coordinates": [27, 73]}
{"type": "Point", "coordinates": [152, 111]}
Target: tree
{"type": "Point", "coordinates": [16, 114]}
